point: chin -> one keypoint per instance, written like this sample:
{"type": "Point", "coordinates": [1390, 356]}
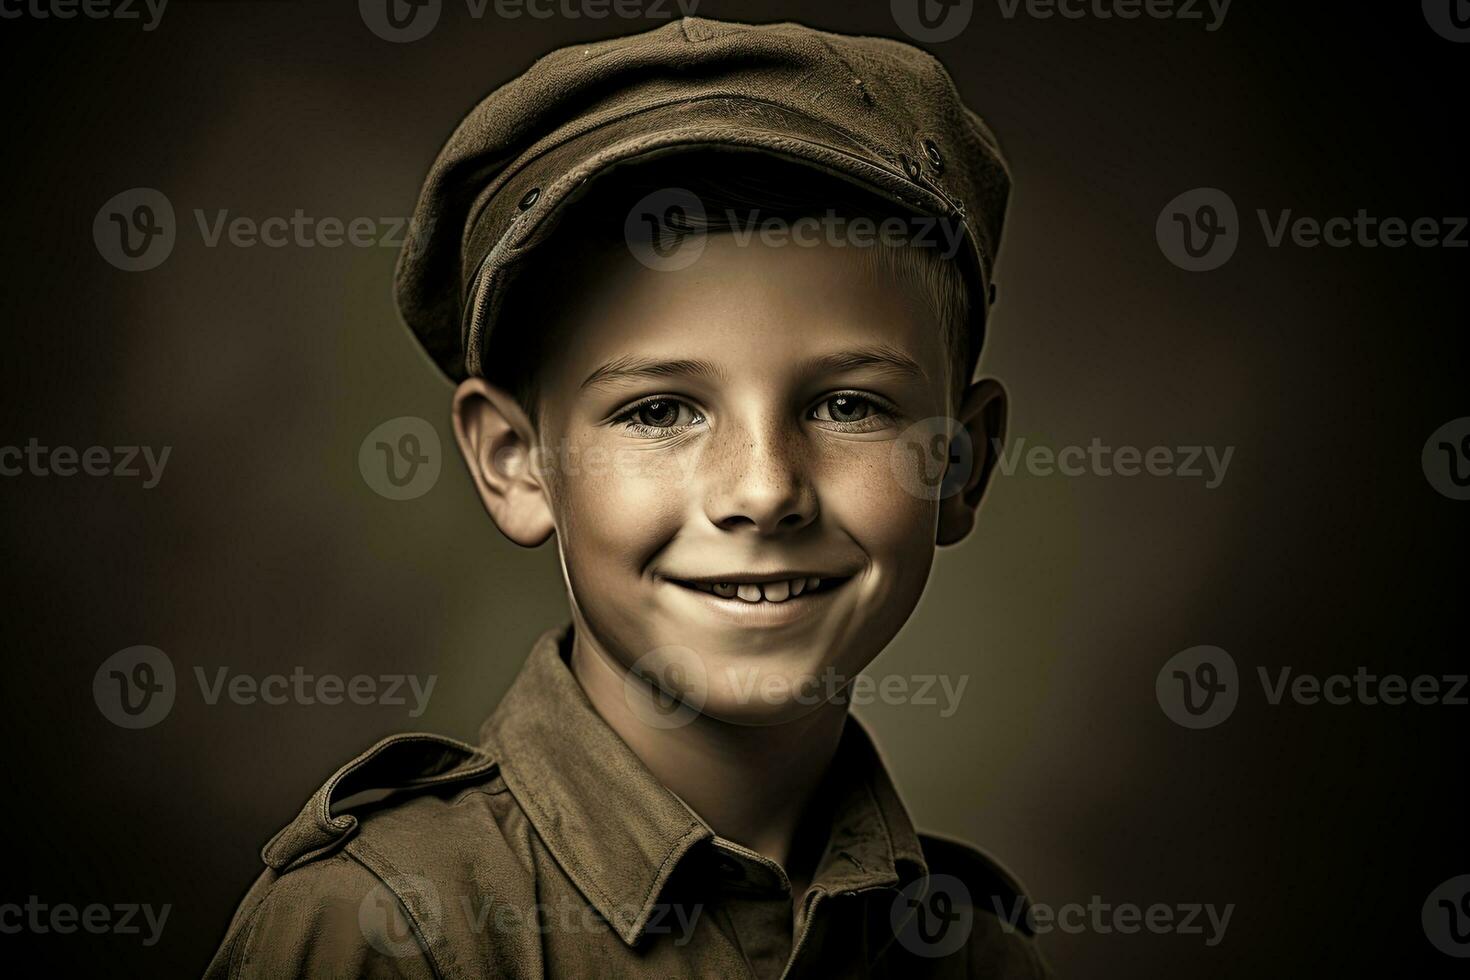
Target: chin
{"type": "Point", "coordinates": [778, 686]}
{"type": "Point", "coordinates": [732, 708]}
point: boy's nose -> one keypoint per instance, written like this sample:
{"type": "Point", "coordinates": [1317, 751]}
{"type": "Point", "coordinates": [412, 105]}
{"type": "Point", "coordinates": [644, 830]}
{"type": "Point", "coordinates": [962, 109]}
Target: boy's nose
{"type": "Point", "coordinates": [761, 483]}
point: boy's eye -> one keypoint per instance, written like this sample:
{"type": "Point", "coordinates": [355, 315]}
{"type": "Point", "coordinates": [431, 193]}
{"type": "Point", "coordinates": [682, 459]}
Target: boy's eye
{"type": "Point", "coordinates": [660, 413]}
{"type": "Point", "coordinates": [844, 408]}
{"type": "Point", "coordinates": [847, 408]}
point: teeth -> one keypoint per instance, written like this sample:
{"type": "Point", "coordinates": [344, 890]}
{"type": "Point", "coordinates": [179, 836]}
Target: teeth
{"type": "Point", "coordinates": [761, 591]}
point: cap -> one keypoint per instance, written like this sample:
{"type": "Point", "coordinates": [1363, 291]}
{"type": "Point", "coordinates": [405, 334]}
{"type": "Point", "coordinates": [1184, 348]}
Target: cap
{"type": "Point", "coordinates": [873, 111]}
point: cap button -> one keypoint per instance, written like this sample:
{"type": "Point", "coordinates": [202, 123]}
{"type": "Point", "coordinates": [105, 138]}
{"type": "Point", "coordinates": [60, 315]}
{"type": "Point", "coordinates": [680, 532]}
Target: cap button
{"type": "Point", "coordinates": [530, 198]}
{"type": "Point", "coordinates": [936, 159]}
{"type": "Point", "coordinates": [910, 167]}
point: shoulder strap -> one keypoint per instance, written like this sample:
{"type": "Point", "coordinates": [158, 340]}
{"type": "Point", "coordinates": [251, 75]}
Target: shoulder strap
{"type": "Point", "coordinates": [407, 762]}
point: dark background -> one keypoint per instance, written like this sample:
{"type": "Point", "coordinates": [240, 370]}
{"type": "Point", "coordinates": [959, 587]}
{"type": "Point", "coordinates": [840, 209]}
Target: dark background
{"type": "Point", "coordinates": [263, 548]}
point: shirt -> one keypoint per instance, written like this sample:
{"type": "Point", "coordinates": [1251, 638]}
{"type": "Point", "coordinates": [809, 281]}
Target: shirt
{"type": "Point", "coordinates": [550, 850]}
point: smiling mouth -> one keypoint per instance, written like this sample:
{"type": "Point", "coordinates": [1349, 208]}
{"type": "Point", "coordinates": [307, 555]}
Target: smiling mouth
{"type": "Point", "coordinates": [766, 590]}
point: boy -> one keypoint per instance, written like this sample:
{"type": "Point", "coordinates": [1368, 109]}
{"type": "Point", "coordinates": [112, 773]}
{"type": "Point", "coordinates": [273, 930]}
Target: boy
{"type": "Point", "coordinates": [713, 296]}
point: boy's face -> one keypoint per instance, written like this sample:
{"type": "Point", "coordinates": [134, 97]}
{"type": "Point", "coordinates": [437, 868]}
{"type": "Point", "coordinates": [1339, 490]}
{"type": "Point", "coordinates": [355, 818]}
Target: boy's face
{"type": "Point", "coordinates": [730, 427]}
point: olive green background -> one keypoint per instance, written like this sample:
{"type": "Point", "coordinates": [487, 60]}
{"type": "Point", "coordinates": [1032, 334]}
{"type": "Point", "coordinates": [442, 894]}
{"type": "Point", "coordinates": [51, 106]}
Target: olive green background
{"type": "Point", "coordinates": [263, 548]}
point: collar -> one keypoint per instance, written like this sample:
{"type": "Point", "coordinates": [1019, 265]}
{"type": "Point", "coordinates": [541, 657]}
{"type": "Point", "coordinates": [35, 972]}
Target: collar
{"type": "Point", "coordinates": [619, 834]}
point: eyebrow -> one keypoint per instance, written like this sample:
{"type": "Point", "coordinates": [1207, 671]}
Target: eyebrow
{"type": "Point", "coordinates": [631, 368]}
{"type": "Point", "coordinates": [883, 357]}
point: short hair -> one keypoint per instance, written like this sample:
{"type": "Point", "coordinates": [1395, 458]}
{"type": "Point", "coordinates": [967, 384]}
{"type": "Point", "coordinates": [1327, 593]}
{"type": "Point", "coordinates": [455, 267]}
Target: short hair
{"type": "Point", "coordinates": [732, 187]}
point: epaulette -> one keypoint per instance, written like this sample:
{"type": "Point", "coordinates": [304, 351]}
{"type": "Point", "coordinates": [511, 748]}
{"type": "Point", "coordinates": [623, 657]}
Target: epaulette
{"type": "Point", "coordinates": [408, 763]}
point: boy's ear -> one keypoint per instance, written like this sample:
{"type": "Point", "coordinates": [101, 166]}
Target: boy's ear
{"type": "Point", "coordinates": [496, 440]}
{"type": "Point", "coordinates": [983, 416]}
